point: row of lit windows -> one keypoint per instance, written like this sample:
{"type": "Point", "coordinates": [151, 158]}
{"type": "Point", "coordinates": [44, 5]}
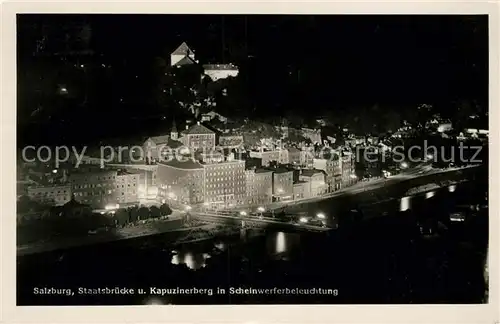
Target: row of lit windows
{"type": "Point", "coordinates": [99, 185]}
{"type": "Point", "coordinates": [99, 178]}
{"type": "Point", "coordinates": [51, 193]}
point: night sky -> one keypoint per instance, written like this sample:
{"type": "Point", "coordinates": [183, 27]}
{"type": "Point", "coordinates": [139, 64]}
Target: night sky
{"type": "Point", "coordinates": [292, 63]}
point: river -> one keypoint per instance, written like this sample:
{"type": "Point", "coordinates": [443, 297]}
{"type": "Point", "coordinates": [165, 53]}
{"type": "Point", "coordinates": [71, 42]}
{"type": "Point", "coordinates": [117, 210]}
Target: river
{"type": "Point", "coordinates": [377, 260]}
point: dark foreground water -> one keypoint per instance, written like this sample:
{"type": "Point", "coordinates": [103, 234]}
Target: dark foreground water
{"type": "Point", "coordinates": [384, 259]}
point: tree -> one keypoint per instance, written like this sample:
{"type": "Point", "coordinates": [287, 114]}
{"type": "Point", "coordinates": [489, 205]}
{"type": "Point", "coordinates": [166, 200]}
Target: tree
{"type": "Point", "coordinates": [154, 212]}
{"type": "Point", "coordinates": [121, 217]}
{"type": "Point", "coordinates": [143, 213]}
{"type": "Point", "coordinates": [165, 210]}
{"type": "Point", "coordinates": [133, 214]}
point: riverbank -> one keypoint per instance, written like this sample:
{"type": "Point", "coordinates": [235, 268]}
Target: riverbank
{"type": "Point", "coordinates": [195, 231]}
{"type": "Point", "coordinates": [361, 187]}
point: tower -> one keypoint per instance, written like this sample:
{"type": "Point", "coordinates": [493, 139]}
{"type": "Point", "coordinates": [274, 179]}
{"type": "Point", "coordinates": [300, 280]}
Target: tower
{"type": "Point", "coordinates": [173, 133]}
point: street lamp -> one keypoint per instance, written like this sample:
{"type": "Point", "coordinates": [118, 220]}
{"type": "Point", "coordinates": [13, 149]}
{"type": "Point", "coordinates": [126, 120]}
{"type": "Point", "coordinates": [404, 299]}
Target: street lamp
{"type": "Point", "coordinates": [188, 208]}
{"type": "Point", "coordinates": [320, 215]}
{"type": "Point", "coordinates": [404, 165]}
{"type": "Point", "coordinates": [243, 213]}
{"type": "Point", "coordinates": [261, 211]}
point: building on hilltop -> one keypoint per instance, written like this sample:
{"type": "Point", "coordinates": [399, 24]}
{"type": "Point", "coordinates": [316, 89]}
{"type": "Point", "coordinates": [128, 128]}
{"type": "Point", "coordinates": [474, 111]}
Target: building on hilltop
{"type": "Point", "coordinates": [220, 71]}
{"type": "Point", "coordinates": [182, 55]}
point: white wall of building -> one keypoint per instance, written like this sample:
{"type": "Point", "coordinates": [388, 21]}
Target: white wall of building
{"type": "Point", "coordinates": [217, 74]}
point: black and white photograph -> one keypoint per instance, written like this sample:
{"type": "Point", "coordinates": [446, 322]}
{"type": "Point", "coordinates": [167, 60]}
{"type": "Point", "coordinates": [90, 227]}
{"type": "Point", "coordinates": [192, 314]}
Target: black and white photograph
{"type": "Point", "coordinates": [252, 159]}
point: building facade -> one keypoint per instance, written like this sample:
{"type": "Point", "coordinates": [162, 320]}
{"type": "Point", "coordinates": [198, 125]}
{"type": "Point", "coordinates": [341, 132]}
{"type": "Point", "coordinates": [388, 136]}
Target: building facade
{"type": "Point", "coordinates": [55, 195]}
{"type": "Point", "coordinates": [180, 182]}
{"type": "Point", "coordinates": [348, 169]}
{"type": "Point", "coordinates": [231, 141]}
{"type": "Point", "coordinates": [282, 184]}
{"type": "Point", "coordinates": [95, 187]}
{"type": "Point", "coordinates": [259, 187]}
{"type": "Point", "coordinates": [198, 137]}
{"type": "Point", "coordinates": [225, 184]}
{"type": "Point", "coordinates": [315, 180]}
{"type": "Point", "coordinates": [294, 156]}
{"type": "Point", "coordinates": [220, 71]}
{"type": "Point", "coordinates": [269, 156]}
{"type": "Point", "coordinates": [329, 167]}
{"type": "Point", "coordinates": [127, 187]}
{"type": "Point", "coordinates": [300, 190]}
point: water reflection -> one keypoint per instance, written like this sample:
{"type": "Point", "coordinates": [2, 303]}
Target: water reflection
{"type": "Point", "coordinates": [280, 242]}
{"type": "Point", "coordinates": [193, 261]}
{"type": "Point", "coordinates": [405, 204]}
{"type": "Point", "coordinates": [429, 194]}
{"type": "Point", "coordinates": [220, 246]}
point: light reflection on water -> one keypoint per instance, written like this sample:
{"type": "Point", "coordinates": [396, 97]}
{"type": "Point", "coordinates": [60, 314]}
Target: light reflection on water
{"type": "Point", "coordinates": [278, 245]}
{"type": "Point", "coordinates": [193, 261]}
{"type": "Point", "coordinates": [405, 204]}
{"type": "Point", "coordinates": [280, 242]}
{"type": "Point", "coordinates": [429, 194]}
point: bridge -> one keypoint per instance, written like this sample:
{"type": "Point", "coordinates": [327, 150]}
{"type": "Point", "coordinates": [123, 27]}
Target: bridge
{"type": "Point", "coordinates": [246, 222]}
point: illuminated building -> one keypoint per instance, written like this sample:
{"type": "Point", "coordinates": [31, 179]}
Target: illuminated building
{"type": "Point", "coordinates": [127, 187]}
{"type": "Point", "coordinates": [300, 189]}
{"type": "Point", "coordinates": [220, 71]}
{"type": "Point", "coordinates": [259, 186]}
{"type": "Point", "coordinates": [315, 180]}
{"type": "Point", "coordinates": [348, 169]}
{"type": "Point", "coordinates": [279, 155]}
{"type": "Point", "coordinates": [294, 156]}
{"type": "Point", "coordinates": [332, 170]}
{"type": "Point", "coordinates": [225, 184]}
{"type": "Point", "coordinates": [180, 182]}
{"type": "Point", "coordinates": [231, 141]}
{"type": "Point", "coordinates": [182, 55]}
{"type": "Point", "coordinates": [198, 137]}
{"type": "Point", "coordinates": [100, 188]}
{"type": "Point", "coordinates": [161, 148]}
{"type": "Point", "coordinates": [282, 184]}
{"type": "Point", "coordinates": [56, 195]}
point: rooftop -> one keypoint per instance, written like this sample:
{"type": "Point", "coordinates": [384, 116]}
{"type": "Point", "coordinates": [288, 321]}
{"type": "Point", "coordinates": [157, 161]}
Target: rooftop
{"type": "Point", "coordinates": [262, 170]}
{"type": "Point", "coordinates": [198, 129]}
{"type": "Point", "coordinates": [183, 49]}
{"type": "Point", "coordinates": [310, 172]}
{"type": "Point", "coordinates": [188, 164]}
{"type": "Point", "coordinates": [185, 61]}
{"type": "Point", "coordinates": [280, 170]}
{"type": "Point", "coordinates": [128, 171]}
{"type": "Point", "coordinates": [163, 139]}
